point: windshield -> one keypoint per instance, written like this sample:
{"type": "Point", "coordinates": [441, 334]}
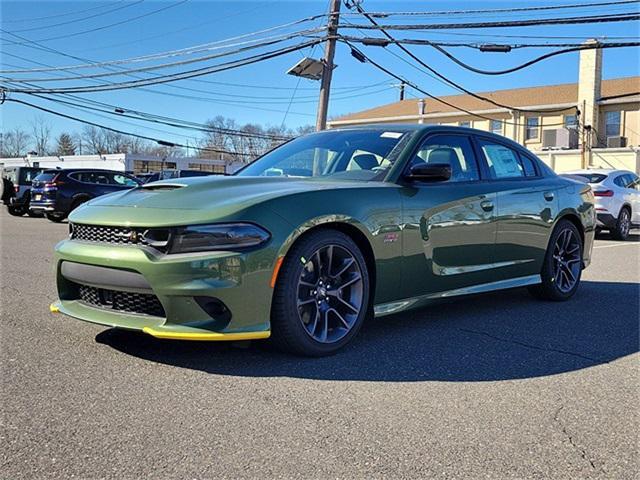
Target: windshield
{"type": "Point", "coordinates": [350, 154]}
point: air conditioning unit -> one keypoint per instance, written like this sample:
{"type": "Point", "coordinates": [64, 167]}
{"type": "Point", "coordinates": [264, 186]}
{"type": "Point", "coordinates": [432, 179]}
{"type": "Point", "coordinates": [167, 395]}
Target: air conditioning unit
{"type": "Point", "coordinates": [616, 142]}
{"type": "Point", "coordinates": [560, 138]}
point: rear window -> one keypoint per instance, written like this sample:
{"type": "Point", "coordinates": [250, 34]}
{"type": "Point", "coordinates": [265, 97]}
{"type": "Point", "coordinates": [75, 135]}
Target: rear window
{"type": "Point", "coordinates": [590, 177]}
{"type": "Point", "coordinates": [28, 174]}
{"type": "Point", "coordinates": [46, 176]}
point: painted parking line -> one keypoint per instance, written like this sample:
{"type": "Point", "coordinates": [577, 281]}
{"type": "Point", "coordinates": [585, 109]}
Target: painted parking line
{"type": "Point", "coordinates": [617, 245]}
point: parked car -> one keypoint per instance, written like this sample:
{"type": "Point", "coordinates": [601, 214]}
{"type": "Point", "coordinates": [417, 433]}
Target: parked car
{"type": "Point", "coordinates": [617, 194]}
{"type": "Point", "coordinates": [58, 192]}
{"type": "Point", "coordinates": [385, 218]}
{"type": "Point", "coordinates": [16, 193]}
{"type": "Point", "coordinates": [166, 174]}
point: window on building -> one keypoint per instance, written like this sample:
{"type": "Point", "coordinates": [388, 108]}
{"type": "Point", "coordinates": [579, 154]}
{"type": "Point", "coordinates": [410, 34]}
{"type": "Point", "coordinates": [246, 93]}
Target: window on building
{"type": "Point", "coordinates": [533, 128]}
{"type": "Point", "coordinates": [496, 127]}
{"type": "Point", "coordinates": [571, 122]}
{"type": "Point", "coordinates": [612, 124]}
{"type": "Point", "coordinates": [466, 124]}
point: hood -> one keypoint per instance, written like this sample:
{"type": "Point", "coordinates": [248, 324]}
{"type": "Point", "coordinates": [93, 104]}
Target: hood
{"type": "Point", "coordinates": [194, 199]}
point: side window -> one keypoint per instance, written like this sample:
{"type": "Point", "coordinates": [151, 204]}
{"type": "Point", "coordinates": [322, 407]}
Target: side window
{"type": "Point", "coordinates": [123, 180]}
{"type": "Point", "coordinates": [455, 150]}
{"type": "Point", "coordinates": [101, 178]}
{"type": "Point", "coordinates": [79, 176]}
{"type": "Point", "coordinates": [502, 161]}
{"type": "Point", "coordinates": [635, 182]}
{"type": "Point", "coordinates": [527, 165]}
{"type": "Point", "coordinates": [620, 181]}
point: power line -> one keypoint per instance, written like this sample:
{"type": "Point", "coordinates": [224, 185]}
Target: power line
{"type": "Point", "coordinates": [171, 64]}
{"type": "Point", "coordinates": [501, 10]}
{"type": "Point", "coordinates": [506, 24]}
{"type": "Point", "coordinates": [443, 77]}
{"type": "Point", "coordinates": [104, 27]}
{"type": "Point", "coordinates": [53, 25]}
{"type": "Point", "coordinates": [177, 76]}
{"type": "Point", "coordinates": [362, 56]}
{"type": "Point", "coordinates": [33, 19]}
{"type": "Point", "coordinates": [115, 130]}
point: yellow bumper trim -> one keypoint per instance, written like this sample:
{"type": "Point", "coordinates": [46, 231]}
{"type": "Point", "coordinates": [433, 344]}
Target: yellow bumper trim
{"type": "Point", "coordinates": [210, 336]}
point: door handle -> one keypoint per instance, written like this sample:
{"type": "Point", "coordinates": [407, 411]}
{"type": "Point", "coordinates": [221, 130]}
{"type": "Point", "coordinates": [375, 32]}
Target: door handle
{"type": "Point", "coordinates": [548, 196]}
{"type": "Point", "coordinates": [487, 205]}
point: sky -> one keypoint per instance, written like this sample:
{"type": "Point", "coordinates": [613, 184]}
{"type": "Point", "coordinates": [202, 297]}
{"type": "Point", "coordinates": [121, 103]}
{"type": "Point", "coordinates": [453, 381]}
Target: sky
{"type": "Point", "coordinates": [263, 93]}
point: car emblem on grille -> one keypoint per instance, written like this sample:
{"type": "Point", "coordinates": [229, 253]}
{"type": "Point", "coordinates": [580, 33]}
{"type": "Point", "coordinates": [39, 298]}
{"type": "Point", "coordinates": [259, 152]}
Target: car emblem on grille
{"type": "Point", "coordinates": [131, 236]}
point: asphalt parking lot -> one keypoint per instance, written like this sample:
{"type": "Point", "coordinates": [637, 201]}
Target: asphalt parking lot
{"type": "Point", "coordinates": [497, 386]}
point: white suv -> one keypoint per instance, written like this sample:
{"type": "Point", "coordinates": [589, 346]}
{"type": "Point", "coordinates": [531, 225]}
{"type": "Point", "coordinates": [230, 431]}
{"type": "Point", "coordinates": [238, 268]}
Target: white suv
{"type": "Point", "coordinates": [617, 195]}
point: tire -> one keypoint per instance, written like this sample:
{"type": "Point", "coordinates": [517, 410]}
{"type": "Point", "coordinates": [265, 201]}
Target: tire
{"type": "Point", "coordinates": [309, 316]}
{"type": "Point", "coordinates": [55, 217]}
{"type": "Point", "coordinates": [562, 266]}
{"type": "Point", "coordinates": [77, 202]}
{"type": "Point", "coordinates": [16, 211]}
{"type": "Point", "coordinates": [623, 225]}
{"type": "Point", "coordinates": [35, 214]}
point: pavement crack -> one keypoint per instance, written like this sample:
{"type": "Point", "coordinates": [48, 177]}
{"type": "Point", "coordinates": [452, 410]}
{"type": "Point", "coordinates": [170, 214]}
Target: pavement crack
{"type": "Point", "coordinates": [534, 347]}
{"type": "Point", "coordinates": [583, 451]}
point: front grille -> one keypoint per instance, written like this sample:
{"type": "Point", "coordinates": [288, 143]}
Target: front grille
{"type": "Point", "coordinates": [130, 302]}
{"type": "Point", "coordinates": [157, 238]}
{"type": "Point", "coordinates": [92, 233]}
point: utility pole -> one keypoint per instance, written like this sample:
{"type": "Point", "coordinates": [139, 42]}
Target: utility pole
{"type": "Point", "coordinates": [327, 65]}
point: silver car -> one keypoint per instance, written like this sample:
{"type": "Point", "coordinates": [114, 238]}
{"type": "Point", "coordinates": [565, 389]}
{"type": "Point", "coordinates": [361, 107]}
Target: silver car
{"type": "Point", "coordinates": [617, 195]}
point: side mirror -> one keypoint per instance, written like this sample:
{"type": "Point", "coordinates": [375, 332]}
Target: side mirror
{"type": "Point", "coordinates": [430, 172]}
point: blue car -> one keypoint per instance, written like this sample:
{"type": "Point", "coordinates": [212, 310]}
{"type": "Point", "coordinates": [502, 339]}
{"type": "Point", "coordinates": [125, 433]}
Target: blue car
{"type": "Point", "coordinates": [58, 192]}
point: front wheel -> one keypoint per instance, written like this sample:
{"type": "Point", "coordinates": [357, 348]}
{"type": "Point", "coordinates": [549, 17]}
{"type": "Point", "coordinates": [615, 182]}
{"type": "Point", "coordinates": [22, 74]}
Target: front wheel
{"type": "Point", "coordinates": [321, 296]}
{"type": "Point", "coordinates": [562, 266]}
{"type": "Point", "coordinates": [623, 225]}
{"type": "Point", "coordinates": [16, 211]}
{"type": "Point", "coordinates": [56, 217]}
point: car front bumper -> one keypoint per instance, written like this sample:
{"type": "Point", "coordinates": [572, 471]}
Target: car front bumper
{"type": "Point", "coordinates": [240, 282]}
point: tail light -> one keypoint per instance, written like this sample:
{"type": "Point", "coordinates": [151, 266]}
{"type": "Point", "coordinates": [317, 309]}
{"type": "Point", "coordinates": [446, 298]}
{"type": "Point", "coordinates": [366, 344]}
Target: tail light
{"type": "Point", "coordinates": [16, 188]}
{"type": "Point", "coordinates": [54, 182]}
{"type": "Point", "coordinates": [603, 193]}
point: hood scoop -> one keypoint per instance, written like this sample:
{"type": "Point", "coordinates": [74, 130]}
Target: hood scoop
{"type": "Point", "coordinates": [153, 186]}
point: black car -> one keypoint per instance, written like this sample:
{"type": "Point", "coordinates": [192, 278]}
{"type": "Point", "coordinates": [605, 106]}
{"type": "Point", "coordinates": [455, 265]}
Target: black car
{"type": "Point", "coordinates": [58, 192]}
{"type": "Point", "coordinates": [17, 187]}
{"type": "Point", "coordinates": [166, 174]}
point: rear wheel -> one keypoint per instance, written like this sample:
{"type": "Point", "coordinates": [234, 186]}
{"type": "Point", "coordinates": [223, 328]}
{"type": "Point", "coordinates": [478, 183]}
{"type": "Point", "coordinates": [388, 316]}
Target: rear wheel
{"type": "Point", "coordinates": [56, 217]}
{"type": "Point", "coordinates": [322, 295]}
{"type": "Point", "coordinates": [562, 266]}
{"type": "Point", "coordinates": [623, 225]}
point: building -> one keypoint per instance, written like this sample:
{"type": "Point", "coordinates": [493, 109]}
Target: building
{"type": "Point", "coordinates": [122, 162]}
{"type": "Point", "coordinates": [609, 109]}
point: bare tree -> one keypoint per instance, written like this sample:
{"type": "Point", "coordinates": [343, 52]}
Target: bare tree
{"type": "Point", "coordinates": [41, 132]}
{"type": "Point", "coordinates": [94, 140]}
{"type": "Point", "coordinates": [14, 143]}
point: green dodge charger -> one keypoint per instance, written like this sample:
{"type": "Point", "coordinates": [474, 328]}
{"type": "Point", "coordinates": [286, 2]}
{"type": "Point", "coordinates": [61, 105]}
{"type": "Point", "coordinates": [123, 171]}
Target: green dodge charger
{"type": "Point", "coordinates": [315, 236]}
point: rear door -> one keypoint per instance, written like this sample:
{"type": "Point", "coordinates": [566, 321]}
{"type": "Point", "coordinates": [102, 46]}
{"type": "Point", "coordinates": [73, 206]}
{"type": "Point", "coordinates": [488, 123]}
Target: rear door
{"type": "Point", "coordinates": [632, 196]}
{"type": "Point", "coordinates": [448, 226]}
{"type": "Point", "coordinates": [527, 204]}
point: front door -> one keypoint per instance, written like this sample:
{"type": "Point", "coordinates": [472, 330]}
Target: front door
{"type": "Point", "coordinates": [448, 227]}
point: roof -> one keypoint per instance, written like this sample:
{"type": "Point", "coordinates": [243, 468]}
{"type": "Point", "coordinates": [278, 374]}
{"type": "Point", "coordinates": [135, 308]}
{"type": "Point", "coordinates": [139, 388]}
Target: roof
{"type": "Point", "coordinates": [517, 97]}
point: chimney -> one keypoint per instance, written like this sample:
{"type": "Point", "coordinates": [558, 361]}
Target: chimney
{"type": "Point", "coordinates": [589, 83]}
{"type": "Point", "coordinates": [420, 110]}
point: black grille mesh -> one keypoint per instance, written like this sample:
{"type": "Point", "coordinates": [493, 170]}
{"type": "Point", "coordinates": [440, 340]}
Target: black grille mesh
{"type": "Point", "coordinates": [131, 302]}
{"type": "Point", "coordinates": [94, 233]}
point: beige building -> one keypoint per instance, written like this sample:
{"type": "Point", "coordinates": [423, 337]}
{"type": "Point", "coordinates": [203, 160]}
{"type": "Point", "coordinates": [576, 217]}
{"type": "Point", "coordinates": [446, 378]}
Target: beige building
{"type": "Point", "coordinates": [609, 109]}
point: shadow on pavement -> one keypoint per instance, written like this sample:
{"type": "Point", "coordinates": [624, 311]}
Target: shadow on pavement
{"type": "Point", "coordinates": [499, 336]}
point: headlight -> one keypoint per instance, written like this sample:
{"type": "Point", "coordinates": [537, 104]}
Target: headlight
{"type": "Point", "coordinates": [228, 236]}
